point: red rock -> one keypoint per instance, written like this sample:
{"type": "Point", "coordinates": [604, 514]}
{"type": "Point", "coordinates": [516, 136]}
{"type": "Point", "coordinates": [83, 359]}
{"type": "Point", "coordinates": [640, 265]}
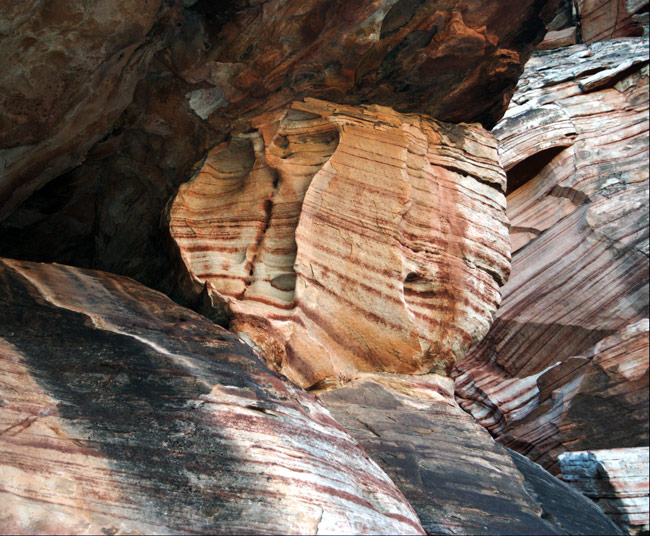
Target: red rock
{"type": "Point", "coordinates": [123, 412]}
{"type": "Point", "coordinates": [346, 238]}
{"type": "Point", "coordinates": [565, 365]}
{"type": "Point", "coordinates": [616, 479]}
{"type": "Point", "coordinates": [404, 54]}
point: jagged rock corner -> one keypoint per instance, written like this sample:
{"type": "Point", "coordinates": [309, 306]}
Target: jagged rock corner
{"type": "Point", "coordinates": [324, 267]}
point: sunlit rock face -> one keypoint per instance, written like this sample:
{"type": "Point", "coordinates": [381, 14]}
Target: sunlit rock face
{"type": "Point", "coordinates": [122, 412]}
{"type": "Point", "coordinates": [349, 238]}
{"type": "Point", "coordinates": [565, 365]}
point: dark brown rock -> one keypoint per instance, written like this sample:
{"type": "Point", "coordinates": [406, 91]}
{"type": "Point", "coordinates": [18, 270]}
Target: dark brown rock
{"type": "Point", "coordinates": [69, 70]}
{"type": "Point", "coordinates": [457, 478]}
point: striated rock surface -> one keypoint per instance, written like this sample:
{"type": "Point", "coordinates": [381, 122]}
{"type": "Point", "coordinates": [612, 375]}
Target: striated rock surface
{"type": "Point", "coordinates": [121, 412]}
{"type": "Point", "coordinates": [453, 473]}
{"type": "Point", "coordinates": [349, 238]}
{"type": "Point", "coordinates": [607, 19]}
{"type": "Point", "coordinates": [565, 365]}
{"type": "Point", "coordinates": [616, 479]}
{"type": "Point", "coordinates": [68, 71]}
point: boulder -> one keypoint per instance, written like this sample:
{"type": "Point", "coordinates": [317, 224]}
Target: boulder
{"type": "Point", "coordinates": [341, 238]}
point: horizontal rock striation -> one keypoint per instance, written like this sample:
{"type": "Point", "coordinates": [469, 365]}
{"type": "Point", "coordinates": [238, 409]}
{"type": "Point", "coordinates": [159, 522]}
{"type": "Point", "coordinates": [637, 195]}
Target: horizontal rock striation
{"type": "Point", "coordinates": [457, 478]}
{"type": "Point", "coordinates": [121, 412]}
{"type": "Point", "coordinates": [616, 479]}
{"type": "Point", "coordinates": [574, 314]}
{"type": "Point", "coordinates": [345, 238]}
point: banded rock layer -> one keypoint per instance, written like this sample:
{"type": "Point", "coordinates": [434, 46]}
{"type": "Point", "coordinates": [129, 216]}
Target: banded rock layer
{"type": "Point", "coordinates": [565, 365]}
{"type": "Point", "coordinates": [122, 412]}
{"type": "Point", "coordinates": [341, 239]}
{"type": "Point", "coordinates": [616, 479]}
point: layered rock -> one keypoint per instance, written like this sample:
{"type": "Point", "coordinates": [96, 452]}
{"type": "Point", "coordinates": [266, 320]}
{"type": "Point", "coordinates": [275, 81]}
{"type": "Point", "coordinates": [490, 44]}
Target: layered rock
{"type": "Point", "coordinates": [69, 70]}
{"type": "Point", "coordinates": [616, 479]}
{"type": "Point", "coordinates": [345, 238]}
{"type": "Point", "coordinates": [219, 60]}
{"type": "Point", "coordinates": [564, 366]}
{"type": "Point", "coordinates": [121, 412]}
{"type": "Point", "coordinates": [607, 19]}
{"type": "Point", "coordinates": [453, 473]}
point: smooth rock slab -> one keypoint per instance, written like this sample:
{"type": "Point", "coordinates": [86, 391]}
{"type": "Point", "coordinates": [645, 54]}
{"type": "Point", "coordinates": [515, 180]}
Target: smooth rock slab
{"type": "Point", "coordinates": [342, 238]}
{"type": "Point", "coordinates": [121, 412]}
{"type": "Point", "coordinates": [458, 479]}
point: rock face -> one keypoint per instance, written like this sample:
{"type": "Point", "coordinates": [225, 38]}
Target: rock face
{"type": "Point", "coordinates": [123, 412]}
{"type": "Point", "coordinates": [565, 365]}
{"type": "Point", "coordinates": [349, 238]}
{"type": "Point", "coordinates": [218, 62]}
{"type": "Point", "coordinates": [453, 473]}
{"type": "Point", "coordinates": [616, 479]}
{"type": "Point", "coordinates": [400, 53]}
{"type": "Point", "coordinates": [70, 72]}
{"type": "Point", "coordinates": [608, 19]}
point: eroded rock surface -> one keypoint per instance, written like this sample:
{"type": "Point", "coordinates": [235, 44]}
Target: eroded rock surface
{"type": "Point", "coordinates": [607, 19]}
{"type": "Point", "coordinates": [68, 71]}
{"type": "Point", "coordinates": [616, 479]}
{"type": "Point", "coordinates": [565, 365]}
{"type": "Point", "coordinates": [453, 473]}
{"type": "Point", "coordinates": [349, 238]}
{"type": "Point", "coordinates": [121, 412]}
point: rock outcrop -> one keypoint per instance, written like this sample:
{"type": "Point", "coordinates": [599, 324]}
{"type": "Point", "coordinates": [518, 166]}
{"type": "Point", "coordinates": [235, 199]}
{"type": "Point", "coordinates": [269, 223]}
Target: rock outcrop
{"type": "Point", "coordinates": [121, 412]}
{"type": "Point", "coordinates": [342, 238]}
{"type": "Point", "coordinates": [565, 365]}
{"type": "Point", "coordinates": [220, 61]}
{"type": "Point", "coordinates": [616, 479]}
{"type": "Point", "coordinates": [457, 478]}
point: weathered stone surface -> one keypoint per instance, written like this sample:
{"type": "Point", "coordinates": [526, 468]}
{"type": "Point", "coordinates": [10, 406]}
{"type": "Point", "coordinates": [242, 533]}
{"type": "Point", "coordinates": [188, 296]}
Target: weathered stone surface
{"type": "Point", "coordinates": [349, 238]}
{"type": "Point", "coordinates": [616, 479]}
{"type": "Point", "coordinates": [456, 477]}
{"type": "Point", "coordinates": [123, 412]}
{"type": "Point", "coordinates": [68, 71]}
{"type": "Point", "coordinates": [456, 61]}
{"type": "Point", "coordinates": [608, 19]}
{"type": "Point", "coordinates": [565, 365]}
{"type": "Point", "coordinates": [106, 213]}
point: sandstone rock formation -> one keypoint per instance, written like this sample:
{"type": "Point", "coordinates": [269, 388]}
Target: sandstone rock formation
{"type": "Point", "coordinates": [68, 71]}
{"type": "Point", "coordinates": [121, 412]}
{"type": "Point", "coordinates": [345, 238]}
{"type": "Point", "coordinates": [565, 365]}
{"type": "Point", "coordinates": [453, 473]}
{"type": "Point", "coordinates": [607, 19]}
{"type": "Point", "coordinates": [616, 479]}
{"type": "Point", "coordinates": [219, 60]}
